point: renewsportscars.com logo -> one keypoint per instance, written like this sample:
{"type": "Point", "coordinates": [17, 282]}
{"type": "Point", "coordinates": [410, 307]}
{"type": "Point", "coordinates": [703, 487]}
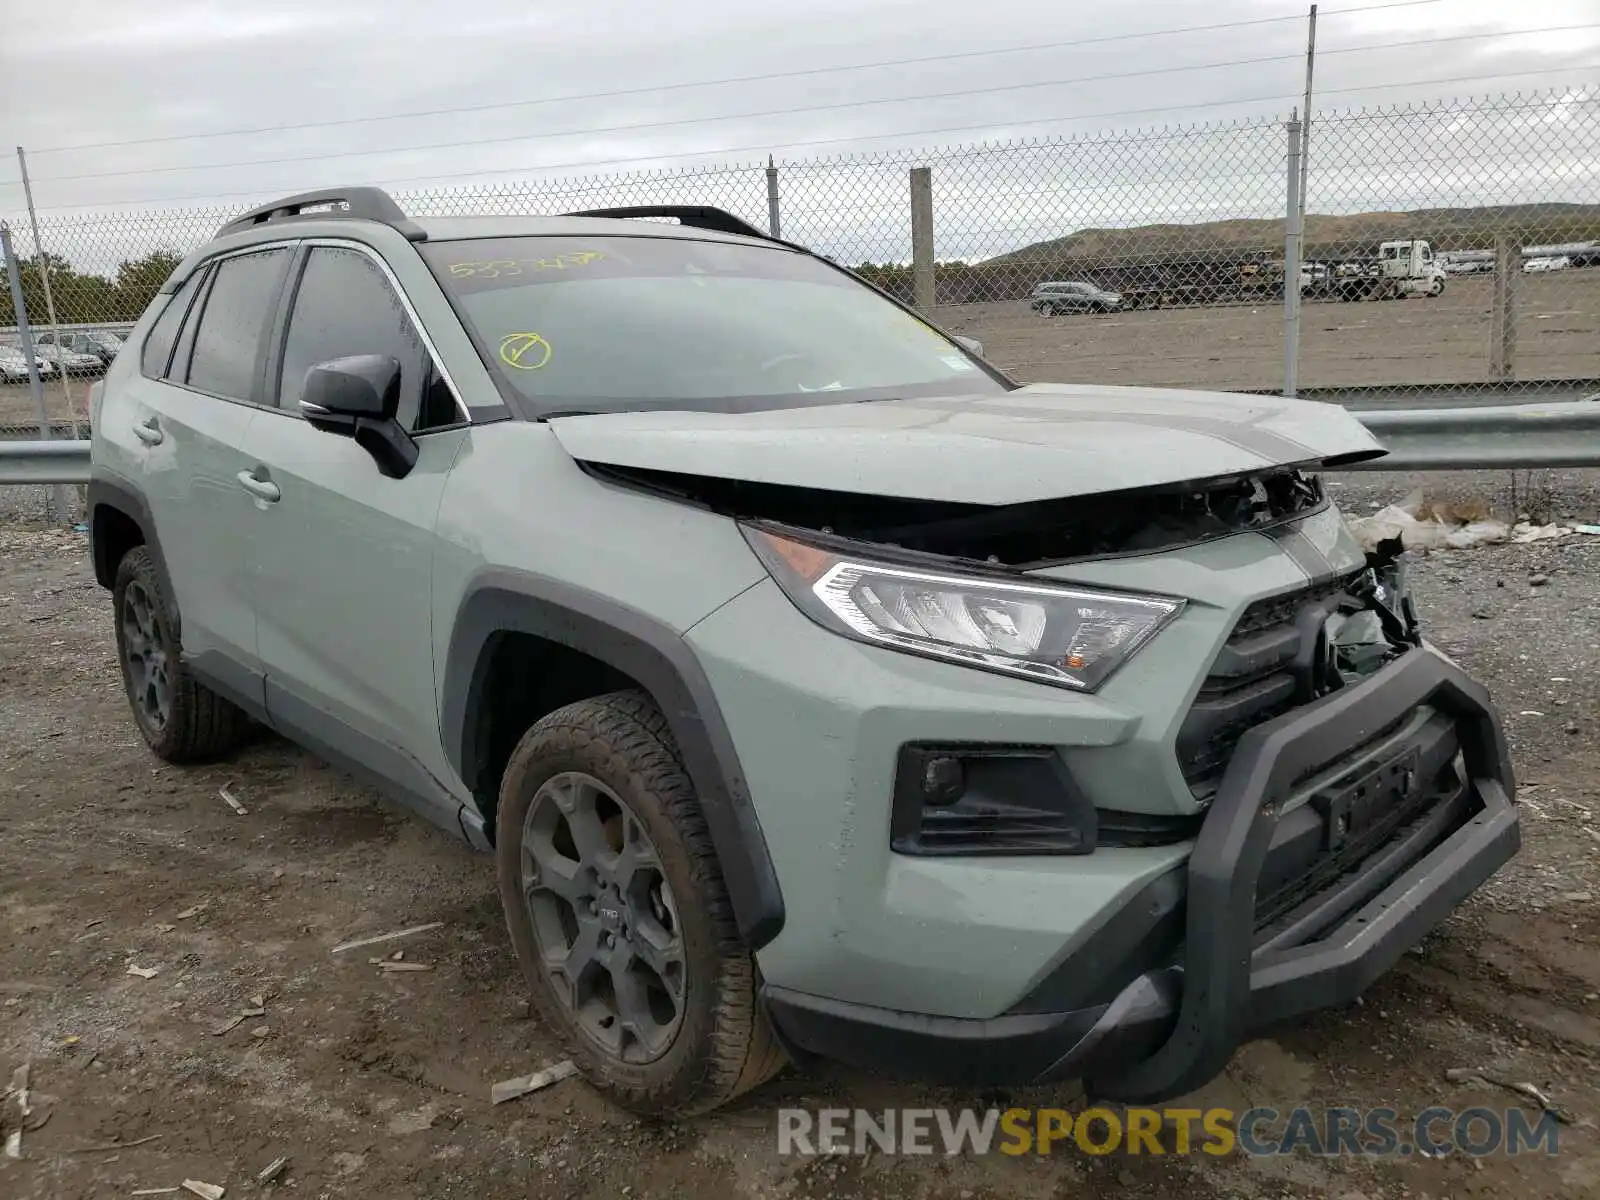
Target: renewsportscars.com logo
{"type": "Point", "coordinates": [1257, 1132]}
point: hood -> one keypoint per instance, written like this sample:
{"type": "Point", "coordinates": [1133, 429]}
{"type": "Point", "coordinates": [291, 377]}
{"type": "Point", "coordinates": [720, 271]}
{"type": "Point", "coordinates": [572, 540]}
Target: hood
{"type": "Point", "coordinates": [1039, 442]}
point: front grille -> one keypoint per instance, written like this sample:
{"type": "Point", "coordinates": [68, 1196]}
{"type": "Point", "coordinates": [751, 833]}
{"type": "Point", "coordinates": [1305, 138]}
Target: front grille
{"type": "Point", "coordinates": [1249, 683]}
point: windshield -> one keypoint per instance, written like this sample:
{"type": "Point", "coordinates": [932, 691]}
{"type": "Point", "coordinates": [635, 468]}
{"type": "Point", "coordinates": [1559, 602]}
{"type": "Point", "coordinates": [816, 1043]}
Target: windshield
{"type": "Point", "coordinates": [623, 324]}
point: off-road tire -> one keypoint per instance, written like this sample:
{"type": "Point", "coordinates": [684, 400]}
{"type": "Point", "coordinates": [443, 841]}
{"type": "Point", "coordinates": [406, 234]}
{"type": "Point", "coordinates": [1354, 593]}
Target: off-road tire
{"type": "Point", "coordinates": [724, 1045]}
{"type": "Point", "coordinates": [201, 726]}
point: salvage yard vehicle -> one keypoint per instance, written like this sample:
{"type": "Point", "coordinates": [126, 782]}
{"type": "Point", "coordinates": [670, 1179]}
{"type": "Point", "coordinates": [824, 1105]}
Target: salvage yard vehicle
{"type": "Point", "coordinates": [96, 344]}
{"type": "Point", "coordinates": [818, 690]}
{"type": "Point", "coordinates": [1399, 269]}
{"type": "Point", "coordinates": [14, 365]}
{"type": "Point", "coordinates": [1555, 262]}
{"type": "Point", "coordinates": [70, 361]}
{"type": "Point", "coordinates": [1056, 299]}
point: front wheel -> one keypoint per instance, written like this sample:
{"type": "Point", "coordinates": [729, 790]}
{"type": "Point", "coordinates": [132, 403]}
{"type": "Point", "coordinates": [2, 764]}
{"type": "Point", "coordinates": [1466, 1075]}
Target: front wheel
{"type": "Point", "coordinates": [619, 915]}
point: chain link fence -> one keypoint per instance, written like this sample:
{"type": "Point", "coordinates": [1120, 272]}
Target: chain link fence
{"type": "Point", "coordinates": [1451, 251]}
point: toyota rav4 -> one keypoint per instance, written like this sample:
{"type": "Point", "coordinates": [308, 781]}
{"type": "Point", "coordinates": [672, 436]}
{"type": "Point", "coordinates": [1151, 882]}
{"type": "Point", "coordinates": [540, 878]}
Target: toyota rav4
{"type": "Point", "coordinates": [817, 689]}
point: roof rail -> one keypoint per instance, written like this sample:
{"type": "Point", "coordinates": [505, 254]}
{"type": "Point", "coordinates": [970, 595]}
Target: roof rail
{"type": "Point", "coordinates": [696, 216]}
{"type": "Point", "coordinates": [360, 203]}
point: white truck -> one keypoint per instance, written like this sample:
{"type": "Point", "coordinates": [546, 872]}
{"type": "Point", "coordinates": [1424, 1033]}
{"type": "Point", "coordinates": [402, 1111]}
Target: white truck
{"type": "Point", "coordinates": [1406, 268]}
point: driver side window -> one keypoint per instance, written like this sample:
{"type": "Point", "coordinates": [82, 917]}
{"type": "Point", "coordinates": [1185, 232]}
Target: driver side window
{"type": "Point", "coordinates": [345, 305]}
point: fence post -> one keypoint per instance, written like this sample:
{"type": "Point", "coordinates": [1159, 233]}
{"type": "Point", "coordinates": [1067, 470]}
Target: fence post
{"type": "Point", "coordinates": [922, 284]}
{"type": "Point", "coordinates": [25, 342]}
{"type": "Point", "coordinates": [774, 220]}
{"type": "Point", "coordinates": [1293, 231]}
{"type": "Point", "coordinates": [1503, 323]}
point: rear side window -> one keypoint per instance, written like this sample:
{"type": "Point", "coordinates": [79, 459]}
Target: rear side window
{"type": "Point", "coordinates": [233, 323]}
{"type": "Point", "coordinates": [164, 333]}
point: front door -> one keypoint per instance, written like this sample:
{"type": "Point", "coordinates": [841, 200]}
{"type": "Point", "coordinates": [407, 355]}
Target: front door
{"type": "Point", "coordinates": [341, 566]}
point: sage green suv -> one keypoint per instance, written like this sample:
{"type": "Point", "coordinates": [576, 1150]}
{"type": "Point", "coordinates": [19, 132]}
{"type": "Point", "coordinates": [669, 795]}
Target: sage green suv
{"type": "Point", "coordinates": [817, 689]}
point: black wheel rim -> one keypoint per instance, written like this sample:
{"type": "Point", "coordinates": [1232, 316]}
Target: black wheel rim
{"type": "Point", "coordinates": [144, 655]}
{"type": "Point", "coordinates": [603, 917]}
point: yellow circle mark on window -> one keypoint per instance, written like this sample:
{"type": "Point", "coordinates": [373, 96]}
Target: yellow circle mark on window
{"type": "Point", "coordinates": [524, 351]}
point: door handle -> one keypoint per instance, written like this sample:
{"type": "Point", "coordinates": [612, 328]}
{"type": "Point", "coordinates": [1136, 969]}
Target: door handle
{"type": "Point", "coordinates": [149, 432]}
{"type": "Point", "coordinates": [261, 489]}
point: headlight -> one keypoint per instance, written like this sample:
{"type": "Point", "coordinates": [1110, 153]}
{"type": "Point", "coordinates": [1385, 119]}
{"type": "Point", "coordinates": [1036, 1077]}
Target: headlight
{"type": "Point", "coordinates": [1068, 636]}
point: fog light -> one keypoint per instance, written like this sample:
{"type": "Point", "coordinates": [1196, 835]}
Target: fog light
{"type": "Point", "coordinates": [943, 780]}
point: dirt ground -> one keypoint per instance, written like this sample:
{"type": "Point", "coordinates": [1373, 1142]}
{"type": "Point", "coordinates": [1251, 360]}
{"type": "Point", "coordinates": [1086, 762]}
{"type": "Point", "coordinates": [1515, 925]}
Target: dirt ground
{"type": "Point", "coordinates": [1420, 340]}
{"type": "Point", "coordinates": [1443, 340]}
{"type": "Point", "coordinates": [376, 1084]}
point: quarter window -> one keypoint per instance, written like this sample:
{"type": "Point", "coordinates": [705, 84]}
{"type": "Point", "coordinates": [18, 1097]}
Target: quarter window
{"type": "Point", "coordinates": [164, 333]}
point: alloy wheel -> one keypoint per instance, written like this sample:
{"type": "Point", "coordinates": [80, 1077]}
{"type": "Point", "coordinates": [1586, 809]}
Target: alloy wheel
{"type": "Point", "coordinates": [603, 917]}
{"type": "Point", "coordinates": [145, 655]}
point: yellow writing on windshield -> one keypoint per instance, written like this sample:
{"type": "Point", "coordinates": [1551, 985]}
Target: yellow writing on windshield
{"type": "Point", "coordinates": [525, 351]}
{"type": "Point", "coordinates": [496, 268]}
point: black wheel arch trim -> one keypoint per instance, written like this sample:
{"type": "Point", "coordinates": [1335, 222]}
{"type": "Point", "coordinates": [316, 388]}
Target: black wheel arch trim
{"type": "Point", "coordinates": [104, 496]}
{"type": "Point", "coordinates": [499, 602]}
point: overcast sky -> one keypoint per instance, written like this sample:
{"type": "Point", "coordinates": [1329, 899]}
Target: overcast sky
{"type": "Point", "coordinates": [74, 72]}
{"type": "Point", "coordinates": [76, 75]}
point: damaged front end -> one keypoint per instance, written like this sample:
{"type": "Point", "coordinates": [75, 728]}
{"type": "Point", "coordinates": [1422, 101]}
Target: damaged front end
{"type": "Point", "coordinates": [1022, 537]}
{"type": "Point", "coordinates": [1290, 650]}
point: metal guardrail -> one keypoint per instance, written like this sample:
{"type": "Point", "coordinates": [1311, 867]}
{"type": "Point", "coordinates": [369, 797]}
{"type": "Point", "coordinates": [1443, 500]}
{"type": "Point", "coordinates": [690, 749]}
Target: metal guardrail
{"type": "Point", "coordinates": [124, 327]}
{"type": "Point", "coordinates": [1511, 436]}
{"type": "Point", "coordinates": [1424, 439]}
{"type": "Point", "coordinates": [1360, 397]}
{"type": "Point", "coordinates": [44, 462]}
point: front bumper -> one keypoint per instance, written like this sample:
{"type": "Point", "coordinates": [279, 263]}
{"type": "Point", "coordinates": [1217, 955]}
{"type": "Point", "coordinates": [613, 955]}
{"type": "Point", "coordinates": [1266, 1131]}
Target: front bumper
{"type": "Point", "coordinates": [1171, 1024]}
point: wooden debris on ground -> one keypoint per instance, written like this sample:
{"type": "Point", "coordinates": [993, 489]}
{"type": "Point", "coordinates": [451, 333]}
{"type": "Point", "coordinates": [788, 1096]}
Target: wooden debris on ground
{"type": "Point", "coordinates": [386, 937]}
{"type": "Point", "coordinates": [510, 1089]}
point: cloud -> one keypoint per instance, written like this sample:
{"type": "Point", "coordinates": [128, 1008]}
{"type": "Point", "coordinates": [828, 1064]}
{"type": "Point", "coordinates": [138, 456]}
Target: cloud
{"type": "Point", "coordinates": [113, 73]}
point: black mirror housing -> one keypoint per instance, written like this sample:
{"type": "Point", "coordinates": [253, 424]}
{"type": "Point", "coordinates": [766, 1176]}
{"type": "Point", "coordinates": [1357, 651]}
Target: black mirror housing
{"type": "Point", "coordinates": [357, 397]}
{"type": "Point", "coordinates": [362, 385]}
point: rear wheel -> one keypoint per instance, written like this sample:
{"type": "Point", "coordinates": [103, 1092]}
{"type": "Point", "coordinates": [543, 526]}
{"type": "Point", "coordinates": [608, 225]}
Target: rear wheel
{"type": "Point", "coordinates": [181, 719]}
{"type": "Point", "coordinates": [619, 915]}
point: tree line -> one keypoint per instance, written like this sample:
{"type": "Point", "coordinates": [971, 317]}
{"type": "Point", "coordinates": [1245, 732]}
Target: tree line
{"type": "Point", "coordinates": [84, 298]}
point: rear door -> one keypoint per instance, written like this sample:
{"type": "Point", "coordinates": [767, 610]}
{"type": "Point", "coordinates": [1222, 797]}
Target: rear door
{"type": "Point", "coordinates": [341, 564]}
{"type": "Point", "coordinates": [188, 426]}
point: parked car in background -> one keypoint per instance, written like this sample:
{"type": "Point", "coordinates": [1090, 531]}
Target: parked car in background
{"type": "Point", "coordinates": [14, 366]}
{"type": "Point", "coordinates": [70, 361]}
{"type": "Point", "coordinates": [1053, 298]}
{"type": "Point", "coordinates": [102, 346]}
{"type": "Point", "coordinates": [1536, 266]}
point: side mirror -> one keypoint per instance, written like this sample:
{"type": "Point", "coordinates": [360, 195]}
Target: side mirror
{"type": "Point", "coordinates": [973, 345]}
{"type": "Point", "coordinates": [357, 397]}
{"type": "Point", "coordinates": [363, 385]}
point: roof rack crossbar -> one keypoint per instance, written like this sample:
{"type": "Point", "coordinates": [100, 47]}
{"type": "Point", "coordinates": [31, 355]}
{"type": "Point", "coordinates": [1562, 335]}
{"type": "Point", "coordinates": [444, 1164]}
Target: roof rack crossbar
{"type": "Point", "coordinates": [360, 203]}
{"type": "Point", "coordinates": [696, 216]}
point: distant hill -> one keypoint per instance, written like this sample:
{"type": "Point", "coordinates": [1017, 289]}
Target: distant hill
{"type": "Point", "coordinates": [1326, 236]}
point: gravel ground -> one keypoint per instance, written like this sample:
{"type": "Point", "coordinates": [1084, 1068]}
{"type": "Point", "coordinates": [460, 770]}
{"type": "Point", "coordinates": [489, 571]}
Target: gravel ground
{"type": "Point", "coordinates": [1415, 341]}
{"type": "Point", "coordinates": [376, 1084]}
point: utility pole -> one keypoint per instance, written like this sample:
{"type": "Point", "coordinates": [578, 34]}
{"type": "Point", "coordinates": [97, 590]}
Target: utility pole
{"type": "Point", "coordinates": [43, 261]}
{"type": "Point", "coordinates": [1305, 127]}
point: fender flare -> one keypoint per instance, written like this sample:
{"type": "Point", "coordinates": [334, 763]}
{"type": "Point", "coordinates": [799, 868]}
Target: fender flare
{"type": "Point", "coordinates": [104, 495]}
{"type": "Point", "coordinates": [655, 655]}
